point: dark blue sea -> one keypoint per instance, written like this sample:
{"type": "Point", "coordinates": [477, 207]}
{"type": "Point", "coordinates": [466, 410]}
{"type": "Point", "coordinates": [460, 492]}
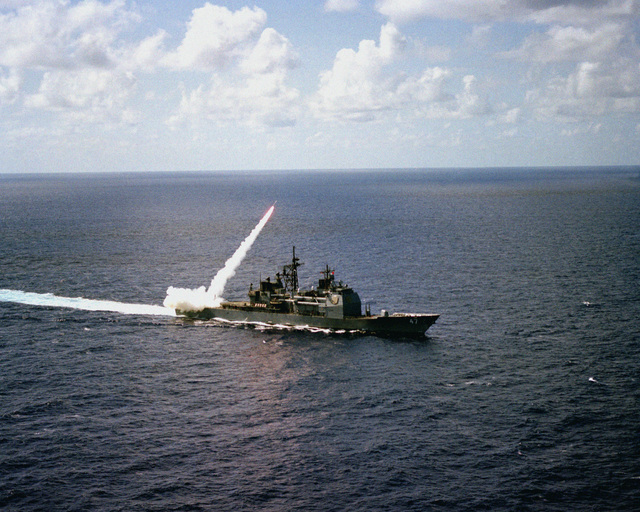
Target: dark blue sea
{"type": "Point", "coordinates": [524, 396]}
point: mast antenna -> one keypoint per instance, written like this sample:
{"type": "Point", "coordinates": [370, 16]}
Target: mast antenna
{"type": "Point", "coordinates": [290, 274]}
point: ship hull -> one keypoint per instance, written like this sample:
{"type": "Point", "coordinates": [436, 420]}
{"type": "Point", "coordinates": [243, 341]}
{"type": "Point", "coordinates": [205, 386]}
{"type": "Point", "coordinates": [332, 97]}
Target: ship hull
{"type": "Point", "coordinates": [398, 324]}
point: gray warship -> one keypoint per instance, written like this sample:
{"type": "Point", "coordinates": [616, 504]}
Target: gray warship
{"type": "Point", "coordinates": [332, 305]}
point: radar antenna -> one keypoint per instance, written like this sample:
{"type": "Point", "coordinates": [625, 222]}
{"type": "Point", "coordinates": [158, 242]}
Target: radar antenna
{"type": "Point", "coordinates": [327, 281]}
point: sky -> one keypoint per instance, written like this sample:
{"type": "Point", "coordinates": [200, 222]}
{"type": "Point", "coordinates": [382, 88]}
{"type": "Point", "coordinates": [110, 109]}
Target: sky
{"type": "Point", "coordinates": [119, 86]}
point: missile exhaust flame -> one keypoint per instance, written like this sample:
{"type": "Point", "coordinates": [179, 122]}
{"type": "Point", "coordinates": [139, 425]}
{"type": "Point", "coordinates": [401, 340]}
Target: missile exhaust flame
{"type": "Point", "coordinates": [195, 300]}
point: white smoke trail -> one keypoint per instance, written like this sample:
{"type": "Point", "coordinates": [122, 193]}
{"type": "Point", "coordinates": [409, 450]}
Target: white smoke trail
{"type": "Point", "coordinates": [48, 299]}
{"type": "Point", "coordinates": [176, 297]}
{"type": "Point", "coordinates": [195, 300]}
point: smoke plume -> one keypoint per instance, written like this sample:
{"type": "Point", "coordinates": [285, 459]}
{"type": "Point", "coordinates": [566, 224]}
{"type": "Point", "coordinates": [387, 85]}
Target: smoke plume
{"type": "Point", "coordinates": [195, 300]}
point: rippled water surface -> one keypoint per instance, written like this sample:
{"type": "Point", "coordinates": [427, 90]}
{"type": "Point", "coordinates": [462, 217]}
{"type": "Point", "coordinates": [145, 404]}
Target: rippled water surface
{"type": "Point", "coordinates": [524, 396]}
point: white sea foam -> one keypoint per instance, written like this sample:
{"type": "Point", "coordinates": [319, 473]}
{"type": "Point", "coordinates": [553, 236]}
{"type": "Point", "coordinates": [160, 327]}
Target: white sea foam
{"type": "Point", "coordinates": [197, 299]}
{"type": "Point", "coordinates": [48, 299]}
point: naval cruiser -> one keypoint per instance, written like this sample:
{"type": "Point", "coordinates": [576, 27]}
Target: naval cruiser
{"type": "Point", "coordinates": [332, 305]}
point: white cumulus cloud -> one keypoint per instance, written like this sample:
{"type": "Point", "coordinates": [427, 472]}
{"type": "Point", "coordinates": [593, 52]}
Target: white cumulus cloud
{"type": "Point", "coordinates": [597, 36]}
{"type": "Point", "coordinates": [257, 100]}
{"type": "Point", "coordinates": [10, 86]}
{"type": "Point", "coordinates": [463, 105]}
{"type": "Point", "coordinates": [88, 95]}
{"type": "Point", "coordinates": [356, 86]}
{"type": "Point", "coordinates": [75, 51]}
{"type": "Point", "coordinates": [249, 66]}
{"type": "Point", "coordinates": [147, 54]}
{"type": "Point", "coordinates": [84, 69]}
{"type": "Point", "coordinates": [575, 12]}
{"type": "Point", "coordinates": [407, 10]}
{"type": "Point", "coordinates": [360, 86]}
{"type": "Point", "coordinates": [216, 35]}
{"type": "Point", "coordinates": [593, 89]}
{"type": "Point", "coordinates": [341, 5]}
{"type": "Point", "coordinates": [570, 43]}
{"type": "Point", "coordinates": [59, 35]}
{"type": "Point", "coordinates": [272, 53]}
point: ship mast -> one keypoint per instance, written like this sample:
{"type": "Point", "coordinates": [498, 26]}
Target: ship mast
{"type": "Point", "coordinates": [290, 274]}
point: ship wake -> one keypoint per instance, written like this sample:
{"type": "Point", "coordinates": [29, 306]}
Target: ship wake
{"type": "Point", "coordinates": [51, 300]}
{"type": "Point", "coordinates": [181, 298]}
{"type": "Point", "coordinates": [268, 327]}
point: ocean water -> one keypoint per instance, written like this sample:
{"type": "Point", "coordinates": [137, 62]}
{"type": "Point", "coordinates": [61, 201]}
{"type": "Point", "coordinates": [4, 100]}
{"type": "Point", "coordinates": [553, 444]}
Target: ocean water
{"type": "Point", "coordinates": [524, 396]}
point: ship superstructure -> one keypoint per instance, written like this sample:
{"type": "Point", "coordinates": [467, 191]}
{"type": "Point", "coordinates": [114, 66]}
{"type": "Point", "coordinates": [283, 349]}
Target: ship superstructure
{"type": "Point", "coordinates": [332, 305]}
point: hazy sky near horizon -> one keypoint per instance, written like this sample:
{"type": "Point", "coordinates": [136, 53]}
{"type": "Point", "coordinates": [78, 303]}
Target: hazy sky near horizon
{"type": "Point", "coordinates": [118, 85]}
